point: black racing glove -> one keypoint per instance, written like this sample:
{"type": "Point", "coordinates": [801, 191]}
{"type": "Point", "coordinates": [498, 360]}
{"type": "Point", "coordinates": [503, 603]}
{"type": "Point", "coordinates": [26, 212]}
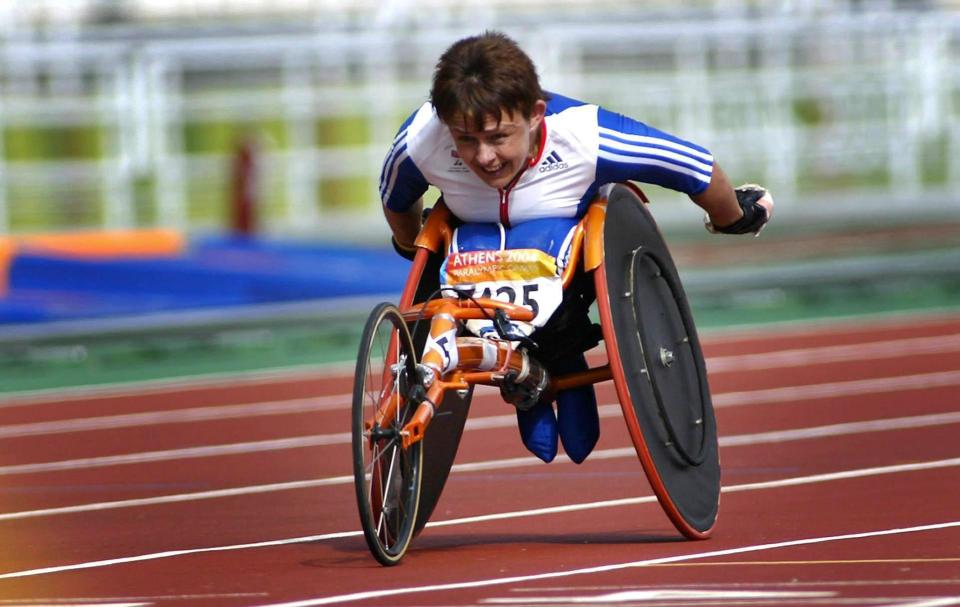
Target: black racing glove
{"type": "Point", "coordinates": [403, 251]}
{"type": "Point", "coordinates": [754, 215]}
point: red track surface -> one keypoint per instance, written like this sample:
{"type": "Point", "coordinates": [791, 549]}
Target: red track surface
{"type": "Point", "coordinates": [841, 469]}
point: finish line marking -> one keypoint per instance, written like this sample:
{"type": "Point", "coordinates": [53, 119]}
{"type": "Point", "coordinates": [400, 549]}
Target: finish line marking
{"type": "Point", "coordinates": [787, 482]}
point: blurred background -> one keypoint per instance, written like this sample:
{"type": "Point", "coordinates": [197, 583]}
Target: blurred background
{"type": "Point", "coordinates": [208, 169]}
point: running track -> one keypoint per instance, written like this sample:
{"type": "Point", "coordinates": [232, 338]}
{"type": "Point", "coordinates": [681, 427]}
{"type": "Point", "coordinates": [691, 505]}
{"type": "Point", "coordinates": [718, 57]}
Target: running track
{"type": "Point", "coordinates": [841, 464]}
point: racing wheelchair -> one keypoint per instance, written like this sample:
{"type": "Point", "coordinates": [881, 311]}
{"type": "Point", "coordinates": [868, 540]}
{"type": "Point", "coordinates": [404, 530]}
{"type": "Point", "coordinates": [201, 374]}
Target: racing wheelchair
{"type": "Point", "coordinates": [417, 359]}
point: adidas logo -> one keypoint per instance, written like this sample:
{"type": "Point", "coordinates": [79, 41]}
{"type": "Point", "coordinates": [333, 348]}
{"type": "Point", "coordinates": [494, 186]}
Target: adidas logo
{"type": "Point", "coordinates": [553, 162]}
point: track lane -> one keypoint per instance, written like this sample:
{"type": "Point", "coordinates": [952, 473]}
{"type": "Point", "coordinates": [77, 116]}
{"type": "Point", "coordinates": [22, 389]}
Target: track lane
{"type": "Point", "coordinates": [290, 510]}
{"type": "Point", "coordinates": [497, 549]}
{"type": "Point", "coordinates": [773, 338]}
{"type": "Point", "coordinates": [468, 489]}
{"type": "Point", "coordinates": [302, 467]}
{"type": "Point", "coordinates": [129, 478]}
{"type": "Point", "coordinates": [25, 440]}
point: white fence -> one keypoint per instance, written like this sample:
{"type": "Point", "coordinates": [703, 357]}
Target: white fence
{"type": "Point", "coordinates": [837, 113]}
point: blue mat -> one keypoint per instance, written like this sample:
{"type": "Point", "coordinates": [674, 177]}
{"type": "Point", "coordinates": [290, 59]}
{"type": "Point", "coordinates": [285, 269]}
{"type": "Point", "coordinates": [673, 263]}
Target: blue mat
{"type": "Point", "coordinates": [214, 272]}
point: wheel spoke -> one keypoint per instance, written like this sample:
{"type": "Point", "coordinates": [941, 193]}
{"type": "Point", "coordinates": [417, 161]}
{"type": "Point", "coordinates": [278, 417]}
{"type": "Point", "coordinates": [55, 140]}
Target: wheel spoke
{"type": "Point", "coordinates": [384, 507]}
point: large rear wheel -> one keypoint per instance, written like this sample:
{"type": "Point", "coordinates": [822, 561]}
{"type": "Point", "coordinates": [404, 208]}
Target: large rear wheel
{"type": "Point", "coordinates": [657, 366]}
{"type": "Point", "coordinates": [387, 477]}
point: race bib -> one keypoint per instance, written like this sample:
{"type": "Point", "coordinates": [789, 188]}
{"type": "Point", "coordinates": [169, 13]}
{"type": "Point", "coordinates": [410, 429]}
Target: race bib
{"type": "Point", "coordinates": [525, 277]}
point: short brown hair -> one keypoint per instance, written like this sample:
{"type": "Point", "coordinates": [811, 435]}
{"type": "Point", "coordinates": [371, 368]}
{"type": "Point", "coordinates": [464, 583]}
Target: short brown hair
{"type": "Point", "coordinates": [480, 76]}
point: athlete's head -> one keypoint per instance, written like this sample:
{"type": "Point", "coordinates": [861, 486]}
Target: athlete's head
{"type": "Point", "coordinates": [486, 90]}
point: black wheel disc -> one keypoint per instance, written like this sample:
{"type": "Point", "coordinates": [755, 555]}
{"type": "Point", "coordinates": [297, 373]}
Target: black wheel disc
{"type": "Point", "coordinates": [669, 414]}
{"type": "Point", "coordinates": [442, 439]}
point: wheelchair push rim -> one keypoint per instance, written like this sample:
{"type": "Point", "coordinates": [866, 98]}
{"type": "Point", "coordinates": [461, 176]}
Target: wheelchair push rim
{"type": "Point", "coordinates": [657, 366]}
{"type": "Point", "coordinates": [387, 477]}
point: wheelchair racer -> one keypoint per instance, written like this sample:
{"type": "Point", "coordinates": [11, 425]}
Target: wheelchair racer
{"type": "Point", "coordinates": [519, 167]}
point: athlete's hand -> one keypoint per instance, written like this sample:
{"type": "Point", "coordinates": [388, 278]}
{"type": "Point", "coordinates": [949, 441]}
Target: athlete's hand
{"type": "Point", "coordinates": [757, 205]}
{"type": "Point", "coordinates": [765, 200]}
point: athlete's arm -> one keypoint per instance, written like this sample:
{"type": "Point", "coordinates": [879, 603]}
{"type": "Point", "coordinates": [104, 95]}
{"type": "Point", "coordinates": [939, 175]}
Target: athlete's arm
{"type": "Point", "coordinates": [402, 186]}
{"type": "Point", "coordinates": [405, 225]}
{"type": "Point", "coordinates": [631, 150]}
{"type": "Point", "coordinates": [744, 210]}
{"type": "Point", "coordinates": [719, 199]}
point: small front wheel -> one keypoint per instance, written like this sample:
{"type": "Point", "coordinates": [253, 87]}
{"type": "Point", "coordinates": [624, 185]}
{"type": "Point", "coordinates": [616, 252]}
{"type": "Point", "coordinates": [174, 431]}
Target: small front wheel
{"type": "Point", "coordinates": [386, 476]}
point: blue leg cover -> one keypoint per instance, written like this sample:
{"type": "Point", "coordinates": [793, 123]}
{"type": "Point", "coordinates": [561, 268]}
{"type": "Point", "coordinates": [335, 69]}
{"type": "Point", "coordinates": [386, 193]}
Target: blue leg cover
{"type": "Point", "coordinates": [577, 418]}
{"type": "Point", "coordinates": [538, 430]}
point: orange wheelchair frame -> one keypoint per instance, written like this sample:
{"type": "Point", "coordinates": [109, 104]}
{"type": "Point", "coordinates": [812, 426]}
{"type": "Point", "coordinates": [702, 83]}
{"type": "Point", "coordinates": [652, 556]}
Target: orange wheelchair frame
{"type": "Point", "coordinates": [447, 312]}
{"type": "Point", "coordinates": [667, 410]}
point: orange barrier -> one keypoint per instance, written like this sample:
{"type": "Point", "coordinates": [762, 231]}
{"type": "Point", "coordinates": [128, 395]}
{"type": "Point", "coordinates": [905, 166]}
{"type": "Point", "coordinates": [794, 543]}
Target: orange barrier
{"type": "Point", "coordinates": [155, 242]}
{"type": "Point", "coordinates": [7, 248]}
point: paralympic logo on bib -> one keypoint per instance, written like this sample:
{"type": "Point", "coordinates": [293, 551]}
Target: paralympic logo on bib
{"type": "Point", "coordinates": [511, 264]}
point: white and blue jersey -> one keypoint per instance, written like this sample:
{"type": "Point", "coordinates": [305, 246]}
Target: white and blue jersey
{"type": "Point", "coordinates": [583, 147]}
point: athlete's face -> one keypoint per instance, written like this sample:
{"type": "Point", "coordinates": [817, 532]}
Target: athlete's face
{"type": "Point", "coordinates": [502, 148]}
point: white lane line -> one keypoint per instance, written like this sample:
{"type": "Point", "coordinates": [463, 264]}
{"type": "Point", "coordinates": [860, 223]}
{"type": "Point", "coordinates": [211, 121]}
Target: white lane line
{"type": "Point", "coordinates": [946, 601]}
{"type": "Point", "coordinates": [896, 348]}
{"type": "Point", "coordinates": [341, 402]}
{"type": "Point", "coordinates": [777, 359]}
{"type": "Point", "coordinates": [215, 381]}
{"type": "Point", "coordinates": [749, 362]}
{"type": "Point", "coordinates": [725, 399]}
{"type": "Point", "coordinates": [860, 427]}
{"type": "Point", "coordinates": [847, 325]}
{"type": "Point", "coordinates": [666, 595]}
{"type": "Point", "coordinates": [647, 499]}
{"type": "Point", "coordinates": [857, 387]}
{"type": "Point", "coordinates": [501, 464]}
{"type": "Point", "coordinates": [517, 579]}
{"type": "Point", "coordinates": [887, 581]}
{"type": "Point", "coordinates": [491, 422]}
{"type": "Point", "coordinates": [68, 603]}
{"type": "Point", "coordinates": [172, 553]}
{"type": "Point", "coordinates": [787, 482]}
{"type": "Point", "coordinates": [496, 421]}
{"type": "Point", "coordinates": [178, 498]}
{"type": "Point", "coordinates": [335, 402]}
{"type": "Point", "coordinates": [89, 601]}
{"type": "Point", "coordinates": [177, 416]}
{"type": "Point", "coordinates": [818, 478]}
{"type": "Point", "coordinates": [279, 444]}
